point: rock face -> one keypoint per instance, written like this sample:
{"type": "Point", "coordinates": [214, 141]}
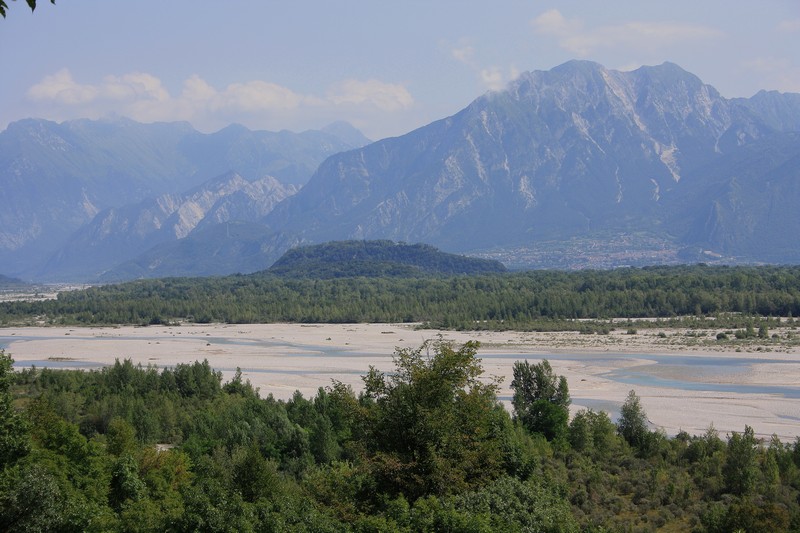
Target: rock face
{"type": "Point", "coordinates": [576, 151]}
{"type": "Point", "coordinates": [119, 234]}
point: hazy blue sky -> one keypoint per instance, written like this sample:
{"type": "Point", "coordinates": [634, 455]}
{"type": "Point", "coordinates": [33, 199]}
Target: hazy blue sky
{"type": "Point", "coordinates": [386, 67]}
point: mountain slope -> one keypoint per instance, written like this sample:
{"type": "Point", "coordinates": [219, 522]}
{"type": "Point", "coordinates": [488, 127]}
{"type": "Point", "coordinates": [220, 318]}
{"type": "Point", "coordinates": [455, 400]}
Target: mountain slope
{"type": "Point", "coordinates": [120, 234]}
{"type": "Point", "coordinates": [745, 205]}
{"type": "Point", "coordinates": [228, 248]}
{"type": "Point", "coordinates": [56, 177]}
{"type": "Point", "coordinates": [575, 151]}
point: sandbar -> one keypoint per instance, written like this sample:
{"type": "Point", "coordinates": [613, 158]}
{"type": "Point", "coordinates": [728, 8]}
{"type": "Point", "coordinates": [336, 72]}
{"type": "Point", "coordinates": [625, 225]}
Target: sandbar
{"type": "Point", "coordinates": [683, 384]}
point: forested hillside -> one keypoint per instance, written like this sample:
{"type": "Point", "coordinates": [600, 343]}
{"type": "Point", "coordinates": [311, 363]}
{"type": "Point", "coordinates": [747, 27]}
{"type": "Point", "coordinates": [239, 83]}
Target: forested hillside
{"type": "Point", "coordinates": [425, 448]}
{"type": "Point", "coordinates": [348, 259]}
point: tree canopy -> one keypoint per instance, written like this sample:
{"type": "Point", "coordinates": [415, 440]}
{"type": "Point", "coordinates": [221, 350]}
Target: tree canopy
{"type": "Point", "coordinates": [633, 425]}
{"type": "Point", "coordinates": [433, 426]}
{"type": "Point", "coordinates": [541, 398]}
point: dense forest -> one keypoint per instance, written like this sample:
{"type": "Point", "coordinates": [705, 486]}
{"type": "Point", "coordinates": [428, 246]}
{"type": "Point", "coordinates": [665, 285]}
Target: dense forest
{"type": "Point", "coordinates": [376, 258]}
{"type": "Point", "coordinates": [535, 300]}
{"type": "Point", "coordinates": [427, 447]}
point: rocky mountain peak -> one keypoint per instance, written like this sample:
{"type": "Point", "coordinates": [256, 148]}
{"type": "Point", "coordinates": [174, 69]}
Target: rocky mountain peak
{"type": "Point", "coordinates": [579, 148]}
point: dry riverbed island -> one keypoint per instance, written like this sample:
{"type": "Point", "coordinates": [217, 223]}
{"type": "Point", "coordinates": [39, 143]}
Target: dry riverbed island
{"type": "Point", "coordinates": [685, 381]}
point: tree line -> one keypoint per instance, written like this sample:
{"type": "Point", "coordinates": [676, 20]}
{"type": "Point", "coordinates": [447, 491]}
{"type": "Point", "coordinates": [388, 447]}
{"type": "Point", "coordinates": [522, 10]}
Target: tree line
{"type": "Point", "coordinates": [535, 300]}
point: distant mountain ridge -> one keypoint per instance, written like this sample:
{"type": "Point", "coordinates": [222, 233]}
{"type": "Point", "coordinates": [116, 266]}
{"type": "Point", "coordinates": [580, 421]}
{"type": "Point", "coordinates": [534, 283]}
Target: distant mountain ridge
{"type": "Point", "coordinates": [54, 178]}
{"type": "Point", "coordinates": [781, 111]}
{"type": "Point", "coordinates": [120, 234]}
{"type": "Point", "coordinates": [574, 151]}
{"type": "Point", "coordinates": [558, 165]}
{"type": "Point", "coordinates": [376, 259]}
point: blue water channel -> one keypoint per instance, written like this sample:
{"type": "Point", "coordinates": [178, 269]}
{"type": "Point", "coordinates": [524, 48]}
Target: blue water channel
{"type": "Point", "coordinates": [698, 367]}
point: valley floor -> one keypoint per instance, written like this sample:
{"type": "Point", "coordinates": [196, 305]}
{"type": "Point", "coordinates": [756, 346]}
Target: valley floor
{"type": "Point", "coordinates": [686, 381]}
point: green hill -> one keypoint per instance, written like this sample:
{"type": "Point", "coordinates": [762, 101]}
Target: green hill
{"type": "Point", "coordinates": [378, 258]}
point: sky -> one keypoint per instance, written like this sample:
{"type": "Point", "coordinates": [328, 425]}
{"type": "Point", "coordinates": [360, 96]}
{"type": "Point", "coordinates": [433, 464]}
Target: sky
{"type": "Point", "coordinates": [387, 68]}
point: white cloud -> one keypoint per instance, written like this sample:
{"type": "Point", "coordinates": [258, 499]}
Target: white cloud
{"type": "Point", "coordinates": [196, 89]}
{"type": "Point", "coordinates": [62, 88]}
{"type": "Point", "coordinates": [257, 96]}
{"type": "Point", "coordinates": [463, 54]}
{"type": "Point", "coordinates": [385, 96]}
{"type": "Point", "coordinates": [789, 26]}
{"type": "Point", "coordinates": [493, 77]}
{"type": "Point", "coordinates": [573, 36]}
{"type": "Point", "coordinates": [552, 22]}
{"type": "Point", "coordinates": [256, 103]}
{"type": "Point", "coordinates": [133, 86]}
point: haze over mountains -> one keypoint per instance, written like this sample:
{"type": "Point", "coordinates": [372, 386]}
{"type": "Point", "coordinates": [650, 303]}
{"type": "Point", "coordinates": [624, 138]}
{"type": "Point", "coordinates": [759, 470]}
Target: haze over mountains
{"type": "Point", "coordinates": [56, 178]}
{"type": "Point", "coordinates": [576, 166]}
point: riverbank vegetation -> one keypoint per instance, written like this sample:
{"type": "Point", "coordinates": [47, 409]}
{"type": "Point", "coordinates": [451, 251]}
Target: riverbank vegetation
{"type": "Point", "coordinates": [427, 447]}
{"type": "Point", "coordinates": [686, 296]}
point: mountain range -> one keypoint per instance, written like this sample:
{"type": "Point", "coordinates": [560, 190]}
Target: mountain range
{"type": "Point", "coordinates": [576, 166]}
{"type": "Point", "coordinates": [577, 151]}
{"type": "Point", "coordinates": [57, 178]}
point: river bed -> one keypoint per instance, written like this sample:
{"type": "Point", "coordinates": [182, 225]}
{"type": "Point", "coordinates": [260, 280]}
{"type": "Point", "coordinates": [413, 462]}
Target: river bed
{"type": "Point", "coordinates": [679, 391]}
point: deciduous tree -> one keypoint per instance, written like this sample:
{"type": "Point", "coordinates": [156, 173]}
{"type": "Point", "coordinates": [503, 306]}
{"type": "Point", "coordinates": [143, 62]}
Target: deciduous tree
{"type": "Point", "coordinates": [434, 424]}
{"type": "Point", "coordinates": [632, 425]}
{"type": "Point", "coordinates": [740, 468]}
{"type": "Point", "coordinates": [541, 398]}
